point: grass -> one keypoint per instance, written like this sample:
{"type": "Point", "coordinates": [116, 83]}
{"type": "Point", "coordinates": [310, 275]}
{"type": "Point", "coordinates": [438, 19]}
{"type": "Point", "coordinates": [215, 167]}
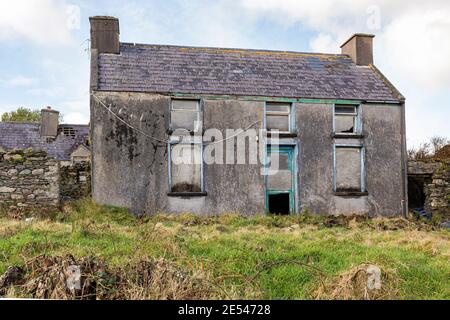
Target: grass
{"type": "Point", "coordinates": [257, 257]}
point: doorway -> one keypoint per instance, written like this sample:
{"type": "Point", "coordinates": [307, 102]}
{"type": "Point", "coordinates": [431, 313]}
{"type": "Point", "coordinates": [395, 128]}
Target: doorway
{"type": "Point", "coordinates": [280, 180]}
{"type": "Point", "coordinates": [416, 190]}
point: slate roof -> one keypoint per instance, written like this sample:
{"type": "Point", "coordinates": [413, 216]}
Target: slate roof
{"type": "Point", "coordinates": [194, 70]}
{"type": "Point", "coordinates": [16, 135]}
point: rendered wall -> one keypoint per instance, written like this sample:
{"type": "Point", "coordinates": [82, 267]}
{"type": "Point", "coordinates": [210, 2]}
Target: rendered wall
{"type": "Point", "coordinates": [131, 170]}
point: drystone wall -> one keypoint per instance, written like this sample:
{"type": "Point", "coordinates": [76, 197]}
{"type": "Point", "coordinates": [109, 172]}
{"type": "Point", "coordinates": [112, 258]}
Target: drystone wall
{"type": "Point", "coordinates": [75, 181]}
{"type": "Point", "coordinates": [437, 187]}
{"type": "Point", "coordinates": [437, 192]}
{"type": "Point", "coordinates": [28, 180]}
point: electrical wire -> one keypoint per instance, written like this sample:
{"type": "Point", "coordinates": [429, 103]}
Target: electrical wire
{"type": "Point", "coordinates": [126, 123]}
{"type": "Point", "coordinates": [166, 141]}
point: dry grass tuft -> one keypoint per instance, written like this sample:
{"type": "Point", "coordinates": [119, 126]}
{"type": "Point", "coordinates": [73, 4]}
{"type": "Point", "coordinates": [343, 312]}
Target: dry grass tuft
{"type": "Point", "coordinates": [45, 278]}
{"type": "Point", "coordinates": [352, 285]}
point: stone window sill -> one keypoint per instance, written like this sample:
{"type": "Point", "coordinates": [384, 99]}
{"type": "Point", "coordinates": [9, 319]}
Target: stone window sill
{"type": "Point", "coordinates": [283, 134]}
{"type": "Point", "coordinates": [351, 193]}
{"type": "Point", "coordinates": [348, 136]}
{"type": "Point", "coordinates": [187, 194]}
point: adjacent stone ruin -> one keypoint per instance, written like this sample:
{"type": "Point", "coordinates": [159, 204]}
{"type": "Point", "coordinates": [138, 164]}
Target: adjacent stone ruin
{"type": "Point", "coordinates": [28, 180]}
{"type": "Point", "coordinates": [75, 181]}
{"type": "Point", "coordinates": [31, 180]}
{"type": "Point", "coordinates": [429, 186]}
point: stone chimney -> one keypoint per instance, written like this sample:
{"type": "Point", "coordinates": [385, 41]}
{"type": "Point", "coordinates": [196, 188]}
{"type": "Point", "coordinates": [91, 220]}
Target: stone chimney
{"type": "Point", "coordinates": [360, 48]}
{"type": "Point", "coordinates": [105, 34]}
{"type": "Point", "coordinates": [49, 123]}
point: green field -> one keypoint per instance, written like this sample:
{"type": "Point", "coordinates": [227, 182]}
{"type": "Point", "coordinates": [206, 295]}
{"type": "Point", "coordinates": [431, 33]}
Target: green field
{"type": "Point", "coordinates": [235, 257]}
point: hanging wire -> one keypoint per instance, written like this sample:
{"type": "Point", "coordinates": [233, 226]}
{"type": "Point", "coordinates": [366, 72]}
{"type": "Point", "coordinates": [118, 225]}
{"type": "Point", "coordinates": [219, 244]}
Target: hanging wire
{"type": "Point", "coordinates": [166, 141]}
{"type": "Point", "coordinates": [126, 123]}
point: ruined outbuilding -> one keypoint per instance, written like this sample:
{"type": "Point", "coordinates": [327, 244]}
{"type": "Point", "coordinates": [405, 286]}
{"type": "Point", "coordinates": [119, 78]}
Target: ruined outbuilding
{"type": "Point", "coordinates": [67, 143]}
{"type": "Point", "coordinates": [429, 186]}
{"type": "Point", "coordinates": [333, 122]}
{"type": "Point", "coordinates": [43, 164]}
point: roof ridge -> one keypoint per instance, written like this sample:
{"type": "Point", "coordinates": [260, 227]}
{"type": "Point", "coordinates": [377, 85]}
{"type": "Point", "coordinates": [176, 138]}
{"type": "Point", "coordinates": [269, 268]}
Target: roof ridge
{"type": "Point", "coordinates": [233, 50]}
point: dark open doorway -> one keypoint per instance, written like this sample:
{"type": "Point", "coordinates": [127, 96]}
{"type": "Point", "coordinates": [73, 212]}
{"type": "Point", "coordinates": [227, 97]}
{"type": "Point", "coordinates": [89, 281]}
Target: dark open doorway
{"type": "Point", "coordinates": [279, 204]}
{"type": "Point", "coordinates": [416, 192]}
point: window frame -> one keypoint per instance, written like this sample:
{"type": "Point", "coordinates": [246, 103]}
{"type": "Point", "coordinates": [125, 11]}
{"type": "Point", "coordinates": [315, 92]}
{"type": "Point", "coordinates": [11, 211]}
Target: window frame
{"type": "Point", "coordinates": [291, 119]}
{"type": "Point", "coordinates": [175, 139]}
{"type": "Point", "coordinates": [362, 165]}
{"type": "Point", "coordinates": [198, 110]}
{"type": "Point", "coordinates": [358, 119]}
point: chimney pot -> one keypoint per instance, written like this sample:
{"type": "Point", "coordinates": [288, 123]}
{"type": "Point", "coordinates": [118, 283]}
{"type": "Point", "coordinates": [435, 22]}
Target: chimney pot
{"type": "Point", "coordinates": [105, 34]}
{"type": "Point", "coordinates": [360, 48]}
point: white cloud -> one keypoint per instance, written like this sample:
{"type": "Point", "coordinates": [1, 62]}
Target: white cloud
{"type": "Point", "coordinates": [222, 23]}
{"type": "Point", "coordinates": [412, 46]}
{"type": "Point", "coordinates": [76, 118]}
{"type": "Point", "coordinates": [418, 46]}
{"type": "Point", "coordinates": [41, 21]}
{"type": "Point", "coordinates": [75, 111]}
{"type": "Point", "coordinates": [413, 34]}
{"type": "Point", "coordinates": [18, 81]}
{"type": "Point", "coordinates": [324, 43]}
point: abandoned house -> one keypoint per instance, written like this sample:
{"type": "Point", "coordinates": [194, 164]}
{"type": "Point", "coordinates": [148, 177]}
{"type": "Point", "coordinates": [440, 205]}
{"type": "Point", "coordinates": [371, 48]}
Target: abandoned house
{"type": "Point", "coordinates": [334, 123]}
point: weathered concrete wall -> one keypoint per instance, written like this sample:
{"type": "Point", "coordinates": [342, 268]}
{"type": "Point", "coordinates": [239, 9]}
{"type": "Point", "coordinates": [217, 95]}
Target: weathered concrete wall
{"type": "Point", "coordinates": [381, 138]}
{"type": "Point", "coordinates": [315, 163]}
{"type": "Point", "coordinates": [234, 187]}
{"type": "Point", "coordinates": [140, 165]}
{"type": "Point", "coordinates": [28, 180]}
{"type": "Point", "coordinates": [75, 181]}
{"type": "Point", "coordinates": [131, 170]}
{"type": "Point", "coordinates": [384, 176]}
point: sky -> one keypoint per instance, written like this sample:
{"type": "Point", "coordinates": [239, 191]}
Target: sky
{"type": "Point", "coordinates": [44, 59]}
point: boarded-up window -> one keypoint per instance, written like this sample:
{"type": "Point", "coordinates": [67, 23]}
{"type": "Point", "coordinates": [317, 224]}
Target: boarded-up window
{"type": "Point", "coordinates": [186, 168]}
{"type": "Point", "coordinates": [278, 117]}
{"type": "Point", "coordinates": [346, 119]}
{"type": "Point", "coordinates": [349, 169]}
{"type": "Point", "coordinates": [280, 175]}
{"type": "Point", "coordinates": [185, 115]}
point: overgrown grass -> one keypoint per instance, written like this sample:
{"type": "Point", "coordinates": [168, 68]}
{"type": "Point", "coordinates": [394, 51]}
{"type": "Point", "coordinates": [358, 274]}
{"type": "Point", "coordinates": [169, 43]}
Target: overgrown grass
{"type": "Point", "coordinates": [256, 257]}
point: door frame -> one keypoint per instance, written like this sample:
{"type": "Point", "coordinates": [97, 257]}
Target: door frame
{"type": "Point", "coordinates": [291, 149]}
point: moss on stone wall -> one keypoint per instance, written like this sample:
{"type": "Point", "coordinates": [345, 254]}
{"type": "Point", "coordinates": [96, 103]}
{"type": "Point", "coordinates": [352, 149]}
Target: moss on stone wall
{"type": "Point", "coordinates": [28, 180]}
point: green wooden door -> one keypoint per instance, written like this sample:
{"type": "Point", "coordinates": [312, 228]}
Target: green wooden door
{"type": "Point", "coordinates": [280, 180]}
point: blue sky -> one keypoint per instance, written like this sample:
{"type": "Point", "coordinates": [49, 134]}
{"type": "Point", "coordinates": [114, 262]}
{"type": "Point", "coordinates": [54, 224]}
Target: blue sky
{"type": "Point", "coordinates": [44, 58]}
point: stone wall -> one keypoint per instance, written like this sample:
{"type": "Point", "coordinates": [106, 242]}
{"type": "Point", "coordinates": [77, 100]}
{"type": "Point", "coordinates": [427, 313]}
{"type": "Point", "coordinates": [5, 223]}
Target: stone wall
{"type": "Point", "coordinates": [436, 186]}
{"type": "Point", "coordinates": [75, 181]}
{"type": "Point", "coordinates": [438, 191]}
{"type": "Point", "coordinates": [28, 180]}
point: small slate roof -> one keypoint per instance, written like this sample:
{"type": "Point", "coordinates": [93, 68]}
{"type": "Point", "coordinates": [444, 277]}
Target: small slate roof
{"type": "Point", "coordinates": [194, 70]}
{"type": "Point", "coordinates": [17, 135]}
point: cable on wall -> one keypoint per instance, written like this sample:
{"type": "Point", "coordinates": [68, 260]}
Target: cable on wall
{"type": "Point", "coordinates": [165, 141]}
